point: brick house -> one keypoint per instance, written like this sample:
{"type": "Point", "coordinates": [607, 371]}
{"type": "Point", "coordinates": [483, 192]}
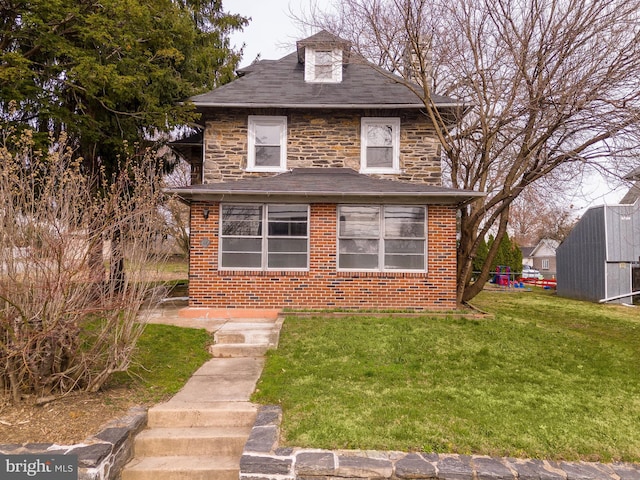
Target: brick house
{"type": "Point", "coordinates": [318, 185]}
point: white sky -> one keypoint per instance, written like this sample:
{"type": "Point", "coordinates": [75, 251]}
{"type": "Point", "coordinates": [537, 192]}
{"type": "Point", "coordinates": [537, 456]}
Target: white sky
{"type": "Point", "coordinates": [272, 34]}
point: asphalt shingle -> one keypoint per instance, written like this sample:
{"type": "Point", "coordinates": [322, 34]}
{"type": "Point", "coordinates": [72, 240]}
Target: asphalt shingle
{"type": "Point", "coordinates": [328, 183]}
{"type": "Point", "coordinates": [280, 83]}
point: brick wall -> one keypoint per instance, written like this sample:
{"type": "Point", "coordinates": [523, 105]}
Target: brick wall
{"type": "Point", "coordinates": [321, 138]}
{"type": "Point", "coordinates": [322, 286]}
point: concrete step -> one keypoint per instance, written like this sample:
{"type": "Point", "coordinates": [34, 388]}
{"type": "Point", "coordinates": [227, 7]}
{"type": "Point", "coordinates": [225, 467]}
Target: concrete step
{"type": "Point", "coordinates": [201, 414]}
{"type": "Point", "coordinates": [243, 332]}
{"type": "Point", "coordinates": [194, 441]}
{"type": "Point", "coordinates": [182, 468]}
{"type": "Point", "coordinates": [238, 350]}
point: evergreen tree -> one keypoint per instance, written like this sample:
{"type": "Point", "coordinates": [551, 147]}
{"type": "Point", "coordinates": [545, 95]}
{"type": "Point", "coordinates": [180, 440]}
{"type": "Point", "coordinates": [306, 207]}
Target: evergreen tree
{"type": "Point", "coordinates": [110, 73]}
{"type": "Point", "coordinates": [509, 255]}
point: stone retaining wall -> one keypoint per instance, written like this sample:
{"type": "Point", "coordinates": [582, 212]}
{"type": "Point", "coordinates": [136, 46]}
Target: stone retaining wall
{"type": "Point", "coordinates": [100, 457]}
{"type": "Point", "coordinates": [263, 459]}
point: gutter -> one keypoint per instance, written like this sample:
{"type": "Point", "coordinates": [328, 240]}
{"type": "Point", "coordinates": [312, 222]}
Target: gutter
{"type": "Point", "coordinates": [349, 106]}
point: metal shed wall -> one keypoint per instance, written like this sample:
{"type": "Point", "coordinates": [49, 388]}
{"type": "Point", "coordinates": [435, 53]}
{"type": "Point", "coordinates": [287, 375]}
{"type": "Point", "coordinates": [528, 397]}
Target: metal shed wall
{"type": "Point", "coordinates": [623, 232]}
{"type": "Point", "coordinates": [581, 258]}
{"type": "Point", "coordinates": [618, 281]}
{"type": "Point", "coordinates": [623, 248]}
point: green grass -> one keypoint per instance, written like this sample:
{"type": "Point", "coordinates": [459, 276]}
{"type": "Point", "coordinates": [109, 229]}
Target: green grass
{"type": "Point", "coordinates": [165, 358]}
{"type": "Point", "coordinates": [542, 377]}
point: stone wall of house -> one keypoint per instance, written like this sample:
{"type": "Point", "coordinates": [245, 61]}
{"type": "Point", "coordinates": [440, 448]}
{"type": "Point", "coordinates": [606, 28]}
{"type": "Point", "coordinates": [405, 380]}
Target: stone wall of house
{"type": "Point", "coordinates": [319, 138]}
{"type": "Point", "coordinates": [323, 286]}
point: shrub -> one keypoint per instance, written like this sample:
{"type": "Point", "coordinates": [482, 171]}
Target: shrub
{"type": "Point", "coordinates": [68, 306]}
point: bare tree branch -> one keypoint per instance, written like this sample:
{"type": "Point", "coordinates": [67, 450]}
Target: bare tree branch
{"type": "Point", "coordinates": [551, 86]}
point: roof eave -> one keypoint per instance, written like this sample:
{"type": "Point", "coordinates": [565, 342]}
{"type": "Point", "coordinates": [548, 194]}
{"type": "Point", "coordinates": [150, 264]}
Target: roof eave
{"type": "Point", "coordinates": [346, 106]}
{"type": "Point", "coordinates": [441, 198]}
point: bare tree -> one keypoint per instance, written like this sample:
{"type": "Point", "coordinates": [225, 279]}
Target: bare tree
{"type": "Point", "coordinates": [544, 86]}
{"type": "Point", "coordinates": [536, 214]}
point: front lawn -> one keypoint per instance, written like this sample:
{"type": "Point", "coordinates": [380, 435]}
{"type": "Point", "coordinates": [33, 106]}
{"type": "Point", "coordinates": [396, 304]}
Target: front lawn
{"type": "Point", "coordinates": [543, 377]}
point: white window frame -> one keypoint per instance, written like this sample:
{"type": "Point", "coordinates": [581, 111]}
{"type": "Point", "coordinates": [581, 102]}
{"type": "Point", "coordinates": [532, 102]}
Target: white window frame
{"type": "Point", "coordinates": [310, 65]}
{"type": "Point", "coordinates": [255, 121]}
{"type": "Point", "coordinates": [382, 238]}
{"type": "Point", "coordinates": [545, 264]}
{"type": "Point", "coordinates": [394, 123]}
{"type": "Point", "coordinates": [264, 239]}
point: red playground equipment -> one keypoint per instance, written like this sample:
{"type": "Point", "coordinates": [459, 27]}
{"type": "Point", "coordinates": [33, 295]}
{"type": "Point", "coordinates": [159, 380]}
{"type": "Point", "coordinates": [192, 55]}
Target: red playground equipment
{"type": "Point", "coordinates": [503, 275]}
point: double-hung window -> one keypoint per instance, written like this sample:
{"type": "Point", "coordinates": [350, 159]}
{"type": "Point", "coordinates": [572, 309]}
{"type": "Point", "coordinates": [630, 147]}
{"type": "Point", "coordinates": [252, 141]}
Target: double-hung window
{"type": "Point", "coordinates": [382, 238]}
{"type": "Point", "coordinates": [267, 143]}
{"type": "Point", "coordinates": [380, 145]}
{"type": "Point", "coordinates": [264, 237]}
{"type": "Point", "coordinates": [323, 66]}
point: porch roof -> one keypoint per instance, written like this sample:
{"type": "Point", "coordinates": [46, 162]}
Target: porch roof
{"type": "Point", "coordinates": [330, 185]}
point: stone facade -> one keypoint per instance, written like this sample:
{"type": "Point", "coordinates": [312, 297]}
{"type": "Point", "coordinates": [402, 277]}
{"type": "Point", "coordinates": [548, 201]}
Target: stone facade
{"type": "Point", "coordinates": [322, 138]}
{"type": "Point", "coordinates": [323, 286]}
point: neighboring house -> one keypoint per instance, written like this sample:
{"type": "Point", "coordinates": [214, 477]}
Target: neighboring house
{"type": "Point", "coordinates": [543, 257]}
{"type": "Point", "coordinates": [600, 258]}
{"type": "Point", "coordinates": [527, 259]}
{"type": "Point", "coordinates": [320, 189]}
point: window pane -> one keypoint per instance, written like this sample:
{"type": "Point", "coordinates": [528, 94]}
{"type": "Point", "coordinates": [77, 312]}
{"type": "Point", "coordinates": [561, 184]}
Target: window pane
{"type": "Point", "coordinates": [404, 262]}
{"type": "Point", "coordinates": [404, 222]}
{"type": "Point", "coordinates": [287, 245]}
{"type": "Point", "coordinates": [358, 261]}
{"type": "Point", "coordinates": [359, 246]}
{"type": "Point", "coordinates": [267, 156]}
{"type": "Point", "coordinates": [404, 246]}
{"type": "Point", "coordinates": [241, 245]}
{"type": "Point", "coordinates": [380, 135]}
{"type": "Point", "coordinates": [324, 57]}
{"type": "Point", "coordinates": [268, 134]}
{"type": "Point", "coordinates": [288, 220]}
{"type": "Point", "coordinates": [242, 220]}
{"type": "Point", "coordinates": [241, 260]}
{"type": "Point", "coordinates": [287, 260]}
{"type": "Point", "coordinates": [379, 157]}
{"type": "Point", "coordinates": [360, 221]}
{"type": "Point", "coordinates": [288, 212]}
{"type": "Point", "coordinates": [324, 72]}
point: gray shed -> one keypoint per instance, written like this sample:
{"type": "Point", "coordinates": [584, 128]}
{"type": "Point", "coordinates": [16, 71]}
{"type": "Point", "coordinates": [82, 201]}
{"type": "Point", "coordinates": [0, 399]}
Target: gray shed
{"type": "Point", "coordinates": [600, 258]}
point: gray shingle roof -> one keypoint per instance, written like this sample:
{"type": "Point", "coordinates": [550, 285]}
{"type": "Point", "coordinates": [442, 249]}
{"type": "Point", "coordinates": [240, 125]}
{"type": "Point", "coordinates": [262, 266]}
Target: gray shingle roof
{"type": "Point", "coordinates": [324, 184]}
{"type": "Point", "coordinates": [280, 83]}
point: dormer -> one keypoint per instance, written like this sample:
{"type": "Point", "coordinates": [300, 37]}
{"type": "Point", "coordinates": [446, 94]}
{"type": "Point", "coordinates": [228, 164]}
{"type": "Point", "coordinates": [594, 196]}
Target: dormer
{"type": "Point", "coordinates": [323, 56]}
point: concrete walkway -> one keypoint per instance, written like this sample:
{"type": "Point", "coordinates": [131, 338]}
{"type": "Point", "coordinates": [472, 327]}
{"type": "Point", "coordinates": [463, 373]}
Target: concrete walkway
{"type": "Point", "coordinates": [200, 432]}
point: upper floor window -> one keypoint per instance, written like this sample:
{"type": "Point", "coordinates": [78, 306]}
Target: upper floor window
{"type": "Point", "coordinates": [323, 66]}
{"type": "Point", "coordinates": [380, 145]}
{"type": "Point", "coordinates": [267, 141]}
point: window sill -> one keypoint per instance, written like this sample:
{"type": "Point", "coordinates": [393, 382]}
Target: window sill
{"type": "Point", "coordinates": [381, 171]}
{"type": "Point", "coordinates": [266, 170]}
{"type": "Point", "coordinates": [379, 273]}
{"type": "Point", "coordinates": [264, 273]}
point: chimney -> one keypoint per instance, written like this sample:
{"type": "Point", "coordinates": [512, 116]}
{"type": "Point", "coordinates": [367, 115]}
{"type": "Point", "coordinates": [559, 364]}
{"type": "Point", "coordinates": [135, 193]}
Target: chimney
{"type": "Point", "coordinates": [413, 69]}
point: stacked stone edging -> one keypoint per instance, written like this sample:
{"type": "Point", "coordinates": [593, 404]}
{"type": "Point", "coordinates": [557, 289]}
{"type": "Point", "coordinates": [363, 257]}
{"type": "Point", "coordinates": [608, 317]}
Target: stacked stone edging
{"type": "Point", "coordinates": [263, 459]}
{"type": "Point", "coordinates": [101, 456]}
